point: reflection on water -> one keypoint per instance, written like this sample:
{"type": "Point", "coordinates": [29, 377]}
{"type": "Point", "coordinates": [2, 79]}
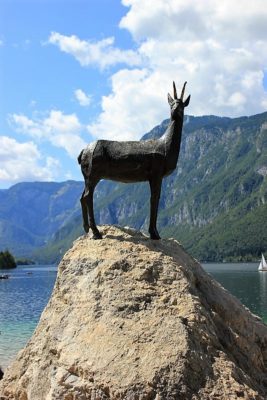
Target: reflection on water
{"type": "Point", "coordinates": [245, 282]}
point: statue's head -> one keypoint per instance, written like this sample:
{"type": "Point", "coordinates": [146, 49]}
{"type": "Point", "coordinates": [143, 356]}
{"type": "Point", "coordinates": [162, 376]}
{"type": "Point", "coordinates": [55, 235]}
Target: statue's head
{"type": "Point", "coordinates": [177, 105]}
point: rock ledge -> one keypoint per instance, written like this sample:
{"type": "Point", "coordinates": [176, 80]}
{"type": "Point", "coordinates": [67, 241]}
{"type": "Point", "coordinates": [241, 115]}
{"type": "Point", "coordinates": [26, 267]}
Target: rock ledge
{"type": "Point", "coordinates": [135, 319]}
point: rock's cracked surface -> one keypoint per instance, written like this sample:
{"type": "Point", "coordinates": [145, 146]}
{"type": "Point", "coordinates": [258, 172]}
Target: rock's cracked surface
{"type": "Point", "coordinates": [135, 319]}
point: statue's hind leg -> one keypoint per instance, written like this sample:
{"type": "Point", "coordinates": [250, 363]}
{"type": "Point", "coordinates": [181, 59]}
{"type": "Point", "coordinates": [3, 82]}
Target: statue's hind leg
{"type": "Point", "coordinates": [90, 206]}
{"type": "Point", "coordinates": [84, 212]}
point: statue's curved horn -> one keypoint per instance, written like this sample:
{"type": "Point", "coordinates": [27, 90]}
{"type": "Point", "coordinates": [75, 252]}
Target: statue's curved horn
{"type": "Point", "coordinates": [182, 92]}
{"type": "Point", "coordinates": [174, 91]}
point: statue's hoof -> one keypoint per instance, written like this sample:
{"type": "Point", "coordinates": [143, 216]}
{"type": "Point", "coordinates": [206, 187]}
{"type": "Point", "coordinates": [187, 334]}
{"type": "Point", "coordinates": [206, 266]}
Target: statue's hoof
{"type": "Point", "coordinates": [154, 236]}
{"type": "Point", "coordinates": [97, 236]}
{"type": "Point", "coordinates": [86, 228]}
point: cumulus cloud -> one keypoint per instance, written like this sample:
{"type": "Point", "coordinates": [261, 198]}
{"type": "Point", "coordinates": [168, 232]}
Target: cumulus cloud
{"type": "Point", "coordinates": [179, 20]}
{"type": "Point", "coordinates": [23, 162]}
{"type": "Point", "coordinates": [61, 130]}
{"type": "Point", "coordinates": [83, 98]}
{"type": "Point", "coordinates": [125, 112]}
{"type": "Point", "coordinates": [100, 53]}
{"type": "Point", "coordinates": [219, 47]}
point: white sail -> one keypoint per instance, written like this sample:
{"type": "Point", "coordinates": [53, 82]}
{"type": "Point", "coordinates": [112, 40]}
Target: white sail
{"type": "Point", "coordinates": [263, 264]}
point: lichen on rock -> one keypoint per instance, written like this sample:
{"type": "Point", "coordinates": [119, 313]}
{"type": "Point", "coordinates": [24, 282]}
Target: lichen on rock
{"type": "Point", "coordinates": [136, 319]}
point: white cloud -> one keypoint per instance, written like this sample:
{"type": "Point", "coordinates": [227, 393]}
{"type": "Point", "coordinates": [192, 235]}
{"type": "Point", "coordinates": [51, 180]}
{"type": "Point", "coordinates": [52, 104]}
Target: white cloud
{"type": "Point", "coordinates": [83, 98]}
{"type": "Point", "coordinates": [219, 47]}
{"type": "Point", "coordinates": [61, 130]}
{"type": "Point", "coordinates": [124, 112]}
{"type": "Point", "coordinates": [100, 53]}
{"type": "Point", "coordinates": [25, 125]}
{"type": "Point", "coordinates": [23, 162]}
{"type": "Point", "coordinates": [179, 20]}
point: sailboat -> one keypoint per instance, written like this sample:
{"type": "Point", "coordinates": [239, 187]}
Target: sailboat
{"type": "Point", "coordinates": [263, 264]}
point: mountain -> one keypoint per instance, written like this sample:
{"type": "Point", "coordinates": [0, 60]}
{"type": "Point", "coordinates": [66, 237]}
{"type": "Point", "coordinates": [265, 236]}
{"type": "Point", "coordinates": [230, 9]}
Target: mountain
{"type": "Point", "coordinates": [30, 213]}
{"type": "Point", "coordinates": [215, 202]}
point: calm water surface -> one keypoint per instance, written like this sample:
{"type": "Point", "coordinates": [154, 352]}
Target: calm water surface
{"type": "Point", "coordinates": [245, 282]}
{"type": "Point", "coordinates": [22, 299]}
{"type": "Point", "coordinates": [24, 296]}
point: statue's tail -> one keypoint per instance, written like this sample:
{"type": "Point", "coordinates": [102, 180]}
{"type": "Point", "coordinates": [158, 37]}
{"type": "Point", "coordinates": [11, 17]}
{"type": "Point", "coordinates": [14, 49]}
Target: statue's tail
{"type": "Point", "coordinates": [80, 157]}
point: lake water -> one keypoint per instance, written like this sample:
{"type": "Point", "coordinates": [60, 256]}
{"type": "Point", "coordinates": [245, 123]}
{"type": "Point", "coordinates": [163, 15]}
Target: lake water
{"type": "Point", "coordinates": [245, 282]}
{"type": "Point", "coordinates": [23, 297]}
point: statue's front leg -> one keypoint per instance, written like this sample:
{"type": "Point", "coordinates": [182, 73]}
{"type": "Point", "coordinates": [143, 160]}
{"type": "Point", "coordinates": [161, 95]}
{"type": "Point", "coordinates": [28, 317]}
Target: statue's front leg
{"type": "Point", "coordinates": [154, 235]}
{"type": "Point", "coordinates": [155, 188]}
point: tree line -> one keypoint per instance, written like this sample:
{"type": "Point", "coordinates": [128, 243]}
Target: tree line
{"type": "Point", "coordinates": [7, 260]}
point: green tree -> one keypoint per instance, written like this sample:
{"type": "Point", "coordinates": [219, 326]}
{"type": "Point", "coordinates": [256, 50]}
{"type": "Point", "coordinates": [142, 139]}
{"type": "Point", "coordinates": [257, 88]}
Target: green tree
{"type": "Point", "coordinates": [7, 260]}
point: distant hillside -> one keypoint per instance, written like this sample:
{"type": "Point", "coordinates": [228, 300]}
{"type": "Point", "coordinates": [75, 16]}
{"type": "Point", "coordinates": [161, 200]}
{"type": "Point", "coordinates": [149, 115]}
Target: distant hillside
{"type": "Point", "coordinates": [215, 202]}
{"type": "Point", "coordinates": [31, 213]}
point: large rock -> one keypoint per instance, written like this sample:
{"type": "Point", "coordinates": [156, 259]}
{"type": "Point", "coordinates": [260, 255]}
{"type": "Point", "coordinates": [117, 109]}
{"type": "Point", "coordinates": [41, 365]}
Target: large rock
{"type": "Point", "coordinates": [131, 318]}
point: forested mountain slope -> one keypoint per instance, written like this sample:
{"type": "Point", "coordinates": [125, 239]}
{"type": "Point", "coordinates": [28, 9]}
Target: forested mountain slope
{"type": "Point", "coordinates": [214, 202]}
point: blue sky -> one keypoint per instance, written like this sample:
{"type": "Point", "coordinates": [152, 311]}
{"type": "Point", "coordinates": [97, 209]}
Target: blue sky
{"type": "Point", "coordinates": [72, 71]}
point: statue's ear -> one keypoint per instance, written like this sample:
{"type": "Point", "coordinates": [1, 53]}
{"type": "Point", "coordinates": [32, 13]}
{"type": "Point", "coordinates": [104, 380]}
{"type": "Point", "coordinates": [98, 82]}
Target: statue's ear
{"type": "Point", "coordinates": [187, 101]}
{"type": "Point", "coordinates": [170, 99]}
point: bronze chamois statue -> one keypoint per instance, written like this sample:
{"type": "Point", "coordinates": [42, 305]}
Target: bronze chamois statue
{"type": "Point", "coordinates": [133, 161]}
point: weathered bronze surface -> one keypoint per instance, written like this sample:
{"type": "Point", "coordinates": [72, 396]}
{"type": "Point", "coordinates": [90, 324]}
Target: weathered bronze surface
{"type": "Point", "coordinates": [133, 161]}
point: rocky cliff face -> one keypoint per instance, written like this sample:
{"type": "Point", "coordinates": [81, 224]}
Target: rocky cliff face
{"type": "Point", "coordinates": [131, 318]}
{"type": "Point", "coordinates": [213, 202]}
{"type": "Point", "coordinates": [220, 185]}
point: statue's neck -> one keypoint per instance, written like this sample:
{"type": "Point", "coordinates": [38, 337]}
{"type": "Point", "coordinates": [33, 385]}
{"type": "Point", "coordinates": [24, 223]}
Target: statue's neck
{"type": "Point", "coordinates": [172, 137]}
